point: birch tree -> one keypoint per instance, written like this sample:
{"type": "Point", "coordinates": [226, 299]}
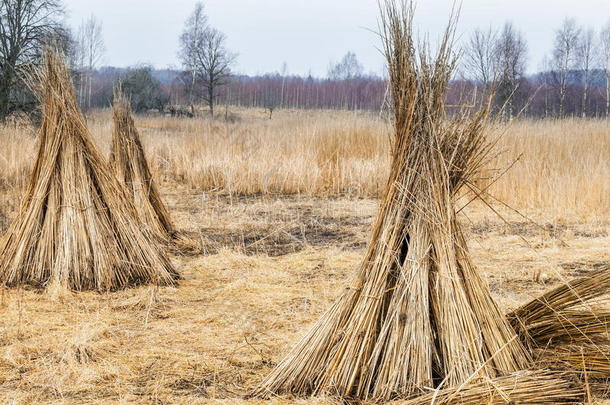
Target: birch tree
{"type": "Point", "coordinates": [565, 57]}
{"type": "Point", "coordinates": [204, 54]}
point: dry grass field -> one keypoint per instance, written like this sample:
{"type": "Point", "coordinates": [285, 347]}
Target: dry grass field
{"type": "Point", "coordinates": [283, 209]}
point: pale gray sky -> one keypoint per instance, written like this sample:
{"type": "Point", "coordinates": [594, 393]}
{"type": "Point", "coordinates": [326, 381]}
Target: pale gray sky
{"type": "Point", "coordinates": [308, 34]}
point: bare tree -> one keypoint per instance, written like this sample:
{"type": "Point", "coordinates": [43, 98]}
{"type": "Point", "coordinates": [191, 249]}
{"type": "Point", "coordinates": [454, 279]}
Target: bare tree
{"type": "Point", "coordinates": [204, 54]}
{"type": "Point", "coordinates": [25, 26]}
{"type": "Point", "coordinates": [480, 56]}
{"type": "Point", "coordinates": [284, 75]}
{"type": "Point", "coordinates": [511, 54]}
{"type": "Point", "coordinates": [347, 69]}
{"type": "Point", "coordinates": [605, 62]}
{"type": "Point", "coordinates": [586, 53]}
{"type": "Point", "coordinates": [565, 57]}
{"type": "Point", "coordinates": [90, 50]}
{"type": "Point", "coordinates": [194, 29]}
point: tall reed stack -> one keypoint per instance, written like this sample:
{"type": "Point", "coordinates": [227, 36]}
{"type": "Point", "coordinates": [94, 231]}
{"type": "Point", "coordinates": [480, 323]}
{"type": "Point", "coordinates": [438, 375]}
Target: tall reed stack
{"type": "Point", "coordinates": [418, 314]}
{"type": "Point", "coordinates": [128, 160]}
{"type": "Point", "coordinates": [77, 228]}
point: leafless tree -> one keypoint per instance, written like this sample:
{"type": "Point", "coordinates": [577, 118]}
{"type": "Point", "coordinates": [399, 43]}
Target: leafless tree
{"type": "Point", "coordinates": [204, 54]}
{"type": "Point", "coordinates": [511, 54]}
{"type": "Point", "coordinates": [586, 54]}
{"type": "Point", "coordinates": [90, 50]}
{"type": "Point", "coordinates": [25, 26]}
{"type": "Point", "coordinates": [480, 56]}
{"type": "Point", "coordinates": [284, 75]}
{"type": "Point", "coordinates": [565, 57]}
{"type": "Point", "coordinates": [347, 69]}
{"type": "Point", "coordinates": [194, 29]}
{"type": "Point", "coordinates": [605, 62]}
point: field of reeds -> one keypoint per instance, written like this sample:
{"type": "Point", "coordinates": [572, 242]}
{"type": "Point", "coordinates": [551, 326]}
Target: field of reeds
{"type": "Point", "coordinates": [559, 166]}
{"type": "Point", "coordinates": [283, 209]}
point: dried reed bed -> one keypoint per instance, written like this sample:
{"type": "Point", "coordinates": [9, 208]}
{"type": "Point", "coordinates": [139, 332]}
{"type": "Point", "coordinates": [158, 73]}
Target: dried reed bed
{"type": "Point", "coordinates": [178, 346]}
{"type": "Point", "coordinates": [563, 166]}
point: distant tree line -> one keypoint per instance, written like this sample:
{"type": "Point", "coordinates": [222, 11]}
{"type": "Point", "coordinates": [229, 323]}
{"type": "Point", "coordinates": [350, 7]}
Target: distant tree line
{"type": "Point", "coordinates": [574, 79]}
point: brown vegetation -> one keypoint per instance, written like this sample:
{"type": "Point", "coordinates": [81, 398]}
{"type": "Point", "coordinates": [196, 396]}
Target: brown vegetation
{"type": "Point", "coordinates": [276, 262]}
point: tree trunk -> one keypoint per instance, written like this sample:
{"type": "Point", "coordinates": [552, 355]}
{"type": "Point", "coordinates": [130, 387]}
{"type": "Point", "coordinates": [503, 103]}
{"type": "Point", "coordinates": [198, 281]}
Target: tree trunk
{"type": "Point", "coordinates": [607, 94]}
{"type": "Point", "coordinates": [211, 99]}
{"type": "Point", "coordinates": [562, 96]}
{"type": "Point", "coordinates": [585, 94]}
{"type": "Point", "coordinates": [4, 101]}
{"type": "Point", "coordinates": [5, 89]}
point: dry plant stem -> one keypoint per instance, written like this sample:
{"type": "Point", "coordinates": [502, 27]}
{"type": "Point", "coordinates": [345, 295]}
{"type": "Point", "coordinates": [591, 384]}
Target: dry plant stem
{"type": "Point", "coordinates": [418, 313]}
{"type": "Point", "coordinates": [128, 160]}
{"type": "Point", "coordinates": [77, 228]}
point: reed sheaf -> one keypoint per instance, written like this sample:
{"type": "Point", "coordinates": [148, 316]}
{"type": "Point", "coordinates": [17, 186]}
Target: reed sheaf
{"type": "Point", "coordinates": [418, 315]}
{"type": "Point", "coordinates": [130, 165]}
{"type": "Point", "coordinates": [128, 161]}
{"type": "Point", "coordinates": [77, 228]}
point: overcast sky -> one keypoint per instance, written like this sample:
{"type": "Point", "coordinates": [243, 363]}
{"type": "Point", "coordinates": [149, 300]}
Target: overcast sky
{"type": "Point", "coordinates": [309, 34]}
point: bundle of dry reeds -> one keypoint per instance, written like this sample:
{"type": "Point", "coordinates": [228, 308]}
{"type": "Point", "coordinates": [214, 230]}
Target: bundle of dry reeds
{"type": "Point", "coordinates": [574, 310]}
{"type": "Point", "coordinates": [418, 314]}
{"type": "Point", "coordinates": [568, 328]}
{"type": "Point", "coordinates": [77, 228]}
{"type": "Point", "coordinates": [518, 388]}
{"type": "Point", "coordinates": [128, 160]}
{"type": "Point", "coordinates": [588, 362]}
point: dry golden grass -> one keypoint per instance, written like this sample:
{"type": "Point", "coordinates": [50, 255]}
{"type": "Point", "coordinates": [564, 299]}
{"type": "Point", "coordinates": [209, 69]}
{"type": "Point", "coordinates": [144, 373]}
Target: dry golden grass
{"type": "Point", "coordinates": [275, 263]}
{"type": "Point", "coordinates": [561, 166]}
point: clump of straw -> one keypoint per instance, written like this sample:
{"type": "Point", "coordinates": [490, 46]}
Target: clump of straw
{"type": "Point", "coordinates": [128, 160]}
{"type": "Point", "coordinates": [77, 228]}
{"type": "Point", "coordinates": [568, 328]}
{"type": "Point", "coordinates": [518, 388]}
{"type": "Point", "coordinates": [418, 315]}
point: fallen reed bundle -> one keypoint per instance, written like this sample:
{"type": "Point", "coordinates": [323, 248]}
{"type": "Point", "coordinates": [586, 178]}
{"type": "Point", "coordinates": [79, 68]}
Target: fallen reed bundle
{"type": "Point", "coordinates": [76, 228]}
{"type": "Point", "coordinates": [518, 388]}
{"type": "Point", "coordinates": [588, 362]}
{"type": "Point", "coordinates": [418, 314]}
{"type": "Point", "coordinates": [128, 160]}
{"type": "Point", "coordinates": [574, 310]}
{"type": "Point", "coordinates": [568, 328]}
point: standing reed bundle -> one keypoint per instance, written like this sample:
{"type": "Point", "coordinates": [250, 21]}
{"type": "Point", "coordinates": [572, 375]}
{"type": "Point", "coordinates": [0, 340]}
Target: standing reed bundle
{"type": "Point", "coordinates": [128, 160]}
{"type": "Point", "coordinates": [418, 315]}
{"type": "Point", "coordinates": [77, 228]}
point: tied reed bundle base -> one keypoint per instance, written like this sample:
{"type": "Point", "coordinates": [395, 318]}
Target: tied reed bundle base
{"type": "Point", "coordinates": [128, 160]}
{"type": "Point", "coordinates": [77, 229]}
